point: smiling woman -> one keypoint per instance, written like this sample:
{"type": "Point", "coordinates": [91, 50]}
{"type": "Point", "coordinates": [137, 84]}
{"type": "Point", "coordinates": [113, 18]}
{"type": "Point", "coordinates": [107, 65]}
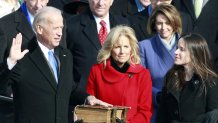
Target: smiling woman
{"type": "Point", "coordinates": [191, 86]}
{"type": "Point", "coordinates": [119, 79]}
{"type": "Point", "coordinates": [157, 53]}
{"type": "Point", "coordinates": [121, 51]}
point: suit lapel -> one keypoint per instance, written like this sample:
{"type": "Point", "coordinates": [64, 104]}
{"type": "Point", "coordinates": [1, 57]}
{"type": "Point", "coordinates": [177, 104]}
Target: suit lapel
{"type": "Point", "coordinates": [206, 7]}
{"type": "Point", "coordinates": [23, 25]}
{"type": "Point", "coordinates": [62, 60]}
{"type": "Point", "coordinates": [39, 60]}
{"type": "Point", "coordinates": [189, 5]}
{"type": "Point", "coordinates": [90, 30]}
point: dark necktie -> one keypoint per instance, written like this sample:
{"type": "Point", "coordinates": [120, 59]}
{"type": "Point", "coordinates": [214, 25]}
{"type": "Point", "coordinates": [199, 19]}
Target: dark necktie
{"type": "Point", "coordinates": [53, 64]}
{"type": "Point", "coordinates": [102, 35]}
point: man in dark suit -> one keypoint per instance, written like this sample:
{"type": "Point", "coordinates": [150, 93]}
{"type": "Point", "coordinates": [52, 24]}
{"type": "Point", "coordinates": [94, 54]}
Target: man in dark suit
{"type": "Point", "coordinates": [127, 8]}
{"type": "Point", "coordinates": [58, 3]}
{"type": "Point", "coordinates": [124, 7]}
{"type": "Point", "coordinates": [39, 95]}
{"type": "Point", "coordinates": [82, 36]}
{"type": "Point", "coordinates": [205, 24]}
{"type": "Point", "coordinates": [19, 21]}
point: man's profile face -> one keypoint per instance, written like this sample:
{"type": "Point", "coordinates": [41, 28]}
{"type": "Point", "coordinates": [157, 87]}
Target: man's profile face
{"type": "Point", "coordinates": [34, 5]}
{"type": "Point", "coordinates": [51, 31]}
{"type": "Point", "coordinates": [100, 8]}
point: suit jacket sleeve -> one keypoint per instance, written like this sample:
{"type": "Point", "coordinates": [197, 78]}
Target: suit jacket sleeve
{"type": "Point", "coordinates": [78, 95]}
{"type": "Point", "coordinates": [4, 75]}
{"type": "Point", "coordinates": [8, 76]}
{"type": "Point", "coordinates": [3, 44]}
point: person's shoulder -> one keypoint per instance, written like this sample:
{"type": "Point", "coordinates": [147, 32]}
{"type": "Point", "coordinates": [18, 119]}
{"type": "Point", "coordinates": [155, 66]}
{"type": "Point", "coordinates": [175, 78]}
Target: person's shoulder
{"type": "Point", "coordinates": [137, 68]}
{"type": "Point", "coordinates": [73, 18]}
{"type": "Point", "coordinates": [62, 49]}
{"type": "Point", "coordinates": [215, 81]}
{"type": "Point", "coordinates": [147, 42]}
{"type": "Point", "coordinates": [184, 15]}
{"type": "Point", "coordinates": [97, 67]}
{"type": "Point", "coordinates": [119, 19]}
{"type": "Point", "coordinates": [12, 15]}
{"type": "Point", "coordinates": [210, 82]}
{"type": "Point", "coordinates": [79, 19]}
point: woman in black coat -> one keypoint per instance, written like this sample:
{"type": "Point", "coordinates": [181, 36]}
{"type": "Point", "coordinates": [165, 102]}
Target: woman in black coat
{"type": "Point", "coordinates": [191, 86]}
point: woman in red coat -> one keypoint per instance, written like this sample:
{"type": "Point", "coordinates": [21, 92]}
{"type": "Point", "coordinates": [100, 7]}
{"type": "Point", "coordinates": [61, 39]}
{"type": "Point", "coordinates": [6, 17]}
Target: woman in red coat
{"type": "Point", "coordinates": [119, 79]}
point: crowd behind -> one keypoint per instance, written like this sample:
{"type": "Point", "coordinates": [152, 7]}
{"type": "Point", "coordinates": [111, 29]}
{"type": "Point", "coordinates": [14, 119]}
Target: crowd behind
{"type": "Point", "coordinates": [158, 57]}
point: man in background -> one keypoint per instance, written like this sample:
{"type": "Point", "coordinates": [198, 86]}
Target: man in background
{"type": "Point", "coordinates": [86, 34]}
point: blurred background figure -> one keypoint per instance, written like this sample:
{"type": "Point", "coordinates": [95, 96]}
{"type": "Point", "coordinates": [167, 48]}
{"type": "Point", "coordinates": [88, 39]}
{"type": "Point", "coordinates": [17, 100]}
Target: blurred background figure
{"type": "Point", "coordinates": [191, 86]}
{"type": "Point", "coordinates": [127, 8]}
{"type": "Point", "coordinates": [157, 53]}
{"type": "Point", "coordinates": [8, 6]}
{"type": "Point", "coordinates": [86, 34]}
{"type": "Point", "coordinates": [139, 20]}
{"type": "Point", "coordinates": [58, 3]}
{"type": "Point", "coordinates": [76, 7]}
{"type": "Point", "coordinates": [119, 79]}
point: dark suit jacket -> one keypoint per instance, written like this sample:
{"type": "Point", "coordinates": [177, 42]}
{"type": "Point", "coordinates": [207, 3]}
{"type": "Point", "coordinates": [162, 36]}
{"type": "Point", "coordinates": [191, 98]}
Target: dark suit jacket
{"type": "Point", "coordinates": [139, 24]}
{"type": "Point", "coordinates": [83, 42]}
{"type": "Point", "coordinates": [37, 97]}
{"type": "Point", "coordinates": [58, 3]}
{"type": "Point", "coordinates": [124, 7]}
{"type": "Point", "coordinates": [10, 25]}
{"type": "Point", "coordinates": [188, 105]}
{"type": "Point", "coordinates": [205, 24]}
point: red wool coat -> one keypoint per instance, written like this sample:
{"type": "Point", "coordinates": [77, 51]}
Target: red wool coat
{"type": "Point", "coordinates": [133, 89]}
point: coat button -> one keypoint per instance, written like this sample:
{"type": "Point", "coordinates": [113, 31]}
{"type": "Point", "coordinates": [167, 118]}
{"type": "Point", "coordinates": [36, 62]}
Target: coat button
{"type": "Point", "coordinates": [196, 82]}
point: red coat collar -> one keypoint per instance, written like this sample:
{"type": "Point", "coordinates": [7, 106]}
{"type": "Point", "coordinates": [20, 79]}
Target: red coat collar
{"type": "Point", "coordinates": [112, 75]}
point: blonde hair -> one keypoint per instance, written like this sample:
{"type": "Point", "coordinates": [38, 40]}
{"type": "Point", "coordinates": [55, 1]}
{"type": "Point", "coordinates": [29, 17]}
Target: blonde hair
{"type": "Point", "coordinates": [112, 39]}
{"type": "Point", "coordinates": [170, 12]}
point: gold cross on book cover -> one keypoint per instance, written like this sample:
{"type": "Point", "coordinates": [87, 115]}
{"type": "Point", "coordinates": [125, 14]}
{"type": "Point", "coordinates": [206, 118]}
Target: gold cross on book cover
{"type": "Point", "coordinates": [100, 114]}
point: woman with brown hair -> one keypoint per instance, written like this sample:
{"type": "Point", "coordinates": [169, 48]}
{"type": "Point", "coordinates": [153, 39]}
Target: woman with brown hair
{"type": "Point", "coordinates": [190, 88]}
{"type": "Point", "coordinates": [157, 53]}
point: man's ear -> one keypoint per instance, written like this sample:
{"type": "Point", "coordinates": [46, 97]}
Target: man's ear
{"type": "Point", "coordinates": [39, 29]}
